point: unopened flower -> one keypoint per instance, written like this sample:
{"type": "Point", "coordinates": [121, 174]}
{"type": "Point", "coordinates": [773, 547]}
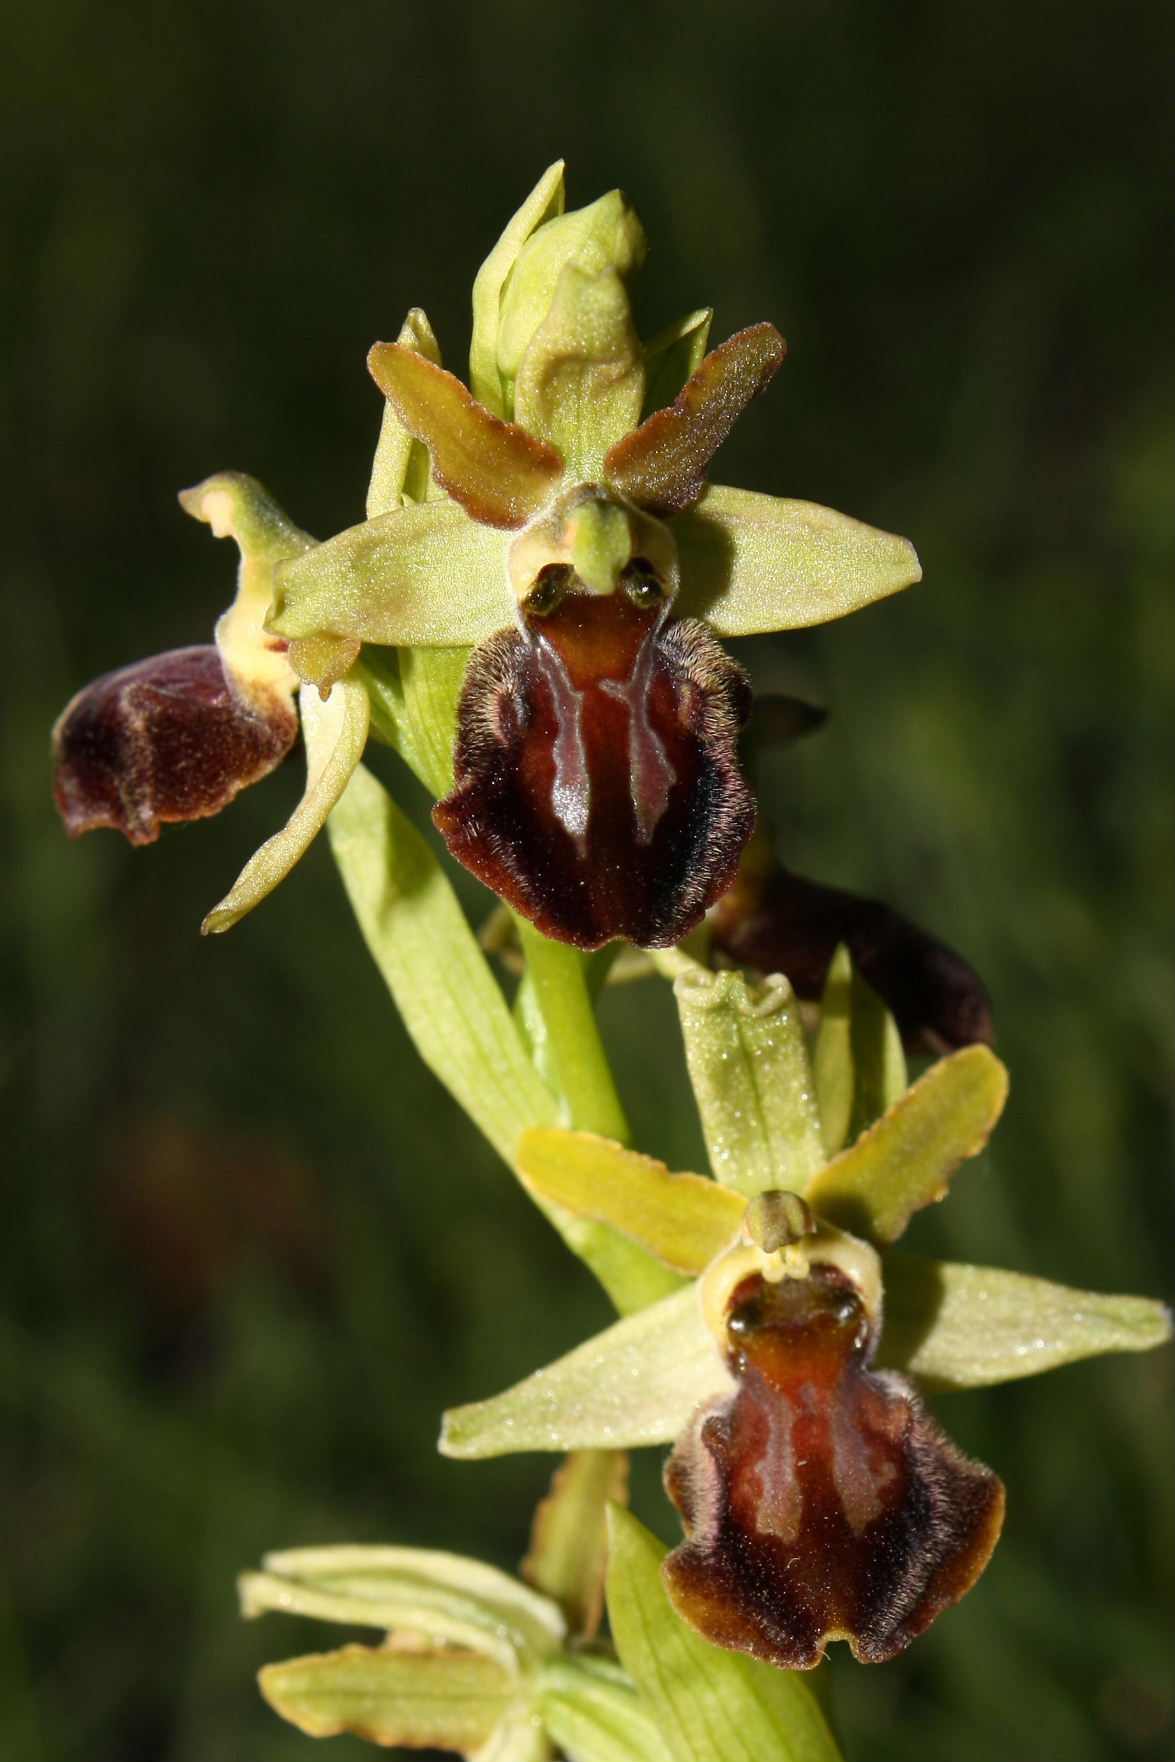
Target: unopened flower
{"type": "Point", "coordinates": [576, 542]}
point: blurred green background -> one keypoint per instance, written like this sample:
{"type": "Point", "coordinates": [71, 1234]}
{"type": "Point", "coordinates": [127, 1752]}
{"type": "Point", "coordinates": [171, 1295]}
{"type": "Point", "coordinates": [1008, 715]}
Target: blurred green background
{"type": "Point", "coordinates": [249, 1250]}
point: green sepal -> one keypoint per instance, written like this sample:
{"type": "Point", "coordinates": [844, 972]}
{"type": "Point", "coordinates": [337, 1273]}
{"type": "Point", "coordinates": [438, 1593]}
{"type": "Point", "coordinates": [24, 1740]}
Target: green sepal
{"type": "Point", "coordinates": [581, 382]}
{"type": "Point", "coordinates": [752, 563]}
{"type": "Point", "coordinates": [906, 1158]}
{"type": "Point", "coordinates": [673, 356]}
{"type": "Point", "coordinates": [335, 734]}
{"type": "Point", "coordinates": [636, 1383]}
{"type": "Point", "coordinates": [453, 1009]}
{"type": "Point", "coordinates": [439, 1596]}
{"type": "Point", "coordinates": [685, 1220]}
{"type": "Point", "coordinates": [544, 203]}
{"type": "Point", "coordinates": [425, 575]}
{"type": "Point", "coordinates": [752, 1079]}
{"type": "Point", "coordinates": [710, 1705]}
{"type": "Point", "coordinates": [955, 1326]}
{"type": "Point", "coordinates": [401, 469]}
{"type": "Point", "coordinates": [434, 1699]}
{"type": "Point", "coordinates": [569, 1537]}
{"type": "Point", "coordinates": [591, 1710]}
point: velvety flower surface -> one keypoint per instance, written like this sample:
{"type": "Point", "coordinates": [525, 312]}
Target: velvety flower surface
{"type": "Point", "coordinates": [569, 533]}
{"type": "Point", "coordinates": [170, 738]}
{"type": "Point", "coordinates": [820, 1499]}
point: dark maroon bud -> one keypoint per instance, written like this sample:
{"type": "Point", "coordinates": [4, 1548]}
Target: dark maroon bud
{"type": "Point", "coordinates": [169, 738]}
{"type": "Point", "coordinates": [776, 922]}
{"type": "Point", "coordinates": [598, 789]}
{"type": "Point", "coordinates": [821, 1501]}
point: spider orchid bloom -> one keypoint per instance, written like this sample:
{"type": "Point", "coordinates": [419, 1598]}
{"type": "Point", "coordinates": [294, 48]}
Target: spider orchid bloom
{"type": "Point", "coordinates": [819, 1498]}
{"type": "Point", "coordinates": [567, 534]}
{"type": "Point", "coordinates": [177, 736]}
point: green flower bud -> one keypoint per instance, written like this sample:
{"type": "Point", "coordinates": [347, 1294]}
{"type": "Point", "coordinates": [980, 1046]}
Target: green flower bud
{"type": "Point", "coordinates": [606, 235]}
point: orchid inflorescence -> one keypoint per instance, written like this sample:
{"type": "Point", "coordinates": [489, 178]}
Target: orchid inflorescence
{"type": "Point", "coordinates": [531, 615]}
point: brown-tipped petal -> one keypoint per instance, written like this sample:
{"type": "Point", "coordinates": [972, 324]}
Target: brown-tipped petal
{"type": "Point", "coordinates": [166, 739]}
{"type": "Point", "coordinates": [781, 923]}
{"type": "Point", "coordinates": [821, 1501]}
{"type": "Point", "coordinates": [662, 464]}
{"type": "Point", "coordinates": [598, 787]}
{"type": "Point", "coordinates": [500, 474]}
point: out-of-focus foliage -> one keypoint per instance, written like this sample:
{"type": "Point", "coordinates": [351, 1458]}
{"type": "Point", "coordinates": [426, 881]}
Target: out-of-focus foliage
{"type": "Point", "coordinates": [249, 1249]}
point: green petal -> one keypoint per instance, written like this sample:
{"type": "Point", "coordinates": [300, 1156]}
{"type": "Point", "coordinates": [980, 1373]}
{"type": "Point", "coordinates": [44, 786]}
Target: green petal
{"type": "Point", "coordinates": [673, 356]}
{"type": "Point", "coordinates": [751, 562]}
{"type": "Point", "coordinates": [446, 1700]}
{"type": "Point", "coordinates": [568, 1538]}
{"type": "Point", "coordinates": [424, 576]}
{"type": "Point", "coordinates": [544, 203]}
{"type": "Point", "coordinates": [879, 1063]}
{"type": "Point", "coordinates": [906, 1159]}
{"type": "Point", "coordinates": [444, 1597]}
{"type": "Point", "coordinates": [581, 382]}
{"type": "Point", "coordinates": [593, 1713]}
{"type": "Point", "coordinates": [401, 465]}
{"type": "Point", "coordinates": [752, 1079]}
{"type": "Point", "coordinates": [684, 1220]}
{"type": "Point", "coordinates": [662, 464]}
{"type": "Point", "coordinates": [500, 474]}
{"type": "Point", "coordinates": [710, 1705]}
{"type": "Point", "coordinates": [957, 1326]}
{"type": "Point", "coordinates": [335, 733]}
{"type": "Point", "coordinates": [636, 1383]}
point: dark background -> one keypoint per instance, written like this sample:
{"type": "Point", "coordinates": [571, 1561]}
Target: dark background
{"type": "Point", "coordinates": [249, 1249]}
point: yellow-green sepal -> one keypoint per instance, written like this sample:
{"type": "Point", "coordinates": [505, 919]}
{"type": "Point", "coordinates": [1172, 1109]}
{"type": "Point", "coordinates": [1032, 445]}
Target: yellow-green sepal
{"type": "Point", "coordinates": [636, 1383]}
{"type": "Point", "coordinates": [752, 1079]}
{"type": "Point", "coordinates": [422, 576]}
{"type": "Point", "coordinates": [581, 381]}
{"type": "Point", "coordinates": [956, 1326]}
{"type": "Point", "coordinates": [752, 563]}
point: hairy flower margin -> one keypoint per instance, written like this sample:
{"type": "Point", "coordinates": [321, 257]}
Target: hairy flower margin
{"type": "Point", "coordinates": [529, 615]}
{"type": "Point", "coordinates": [552, 533]}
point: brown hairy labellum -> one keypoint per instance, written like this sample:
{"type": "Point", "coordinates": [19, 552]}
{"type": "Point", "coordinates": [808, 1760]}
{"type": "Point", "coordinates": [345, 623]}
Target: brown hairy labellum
{"type": "Point", "coordinates": [598, 789]}
{"type": "Point", "coordinates": [774, 921]}
{"type": "Point", "coordinates": [170, 738]}
{"type": "Point", "coordinates": [821, 1501]}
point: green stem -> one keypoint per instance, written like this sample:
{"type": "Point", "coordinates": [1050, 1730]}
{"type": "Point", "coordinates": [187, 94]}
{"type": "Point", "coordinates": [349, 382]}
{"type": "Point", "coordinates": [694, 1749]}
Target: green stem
{"type": "Point", "coordinates": [571, 1048]}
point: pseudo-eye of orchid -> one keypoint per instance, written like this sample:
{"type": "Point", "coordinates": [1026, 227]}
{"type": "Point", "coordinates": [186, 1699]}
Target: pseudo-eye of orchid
{"type": "Point", "coordinates": [820, 1500]}
{"type": "Point", "coordinates": [557, 521]}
